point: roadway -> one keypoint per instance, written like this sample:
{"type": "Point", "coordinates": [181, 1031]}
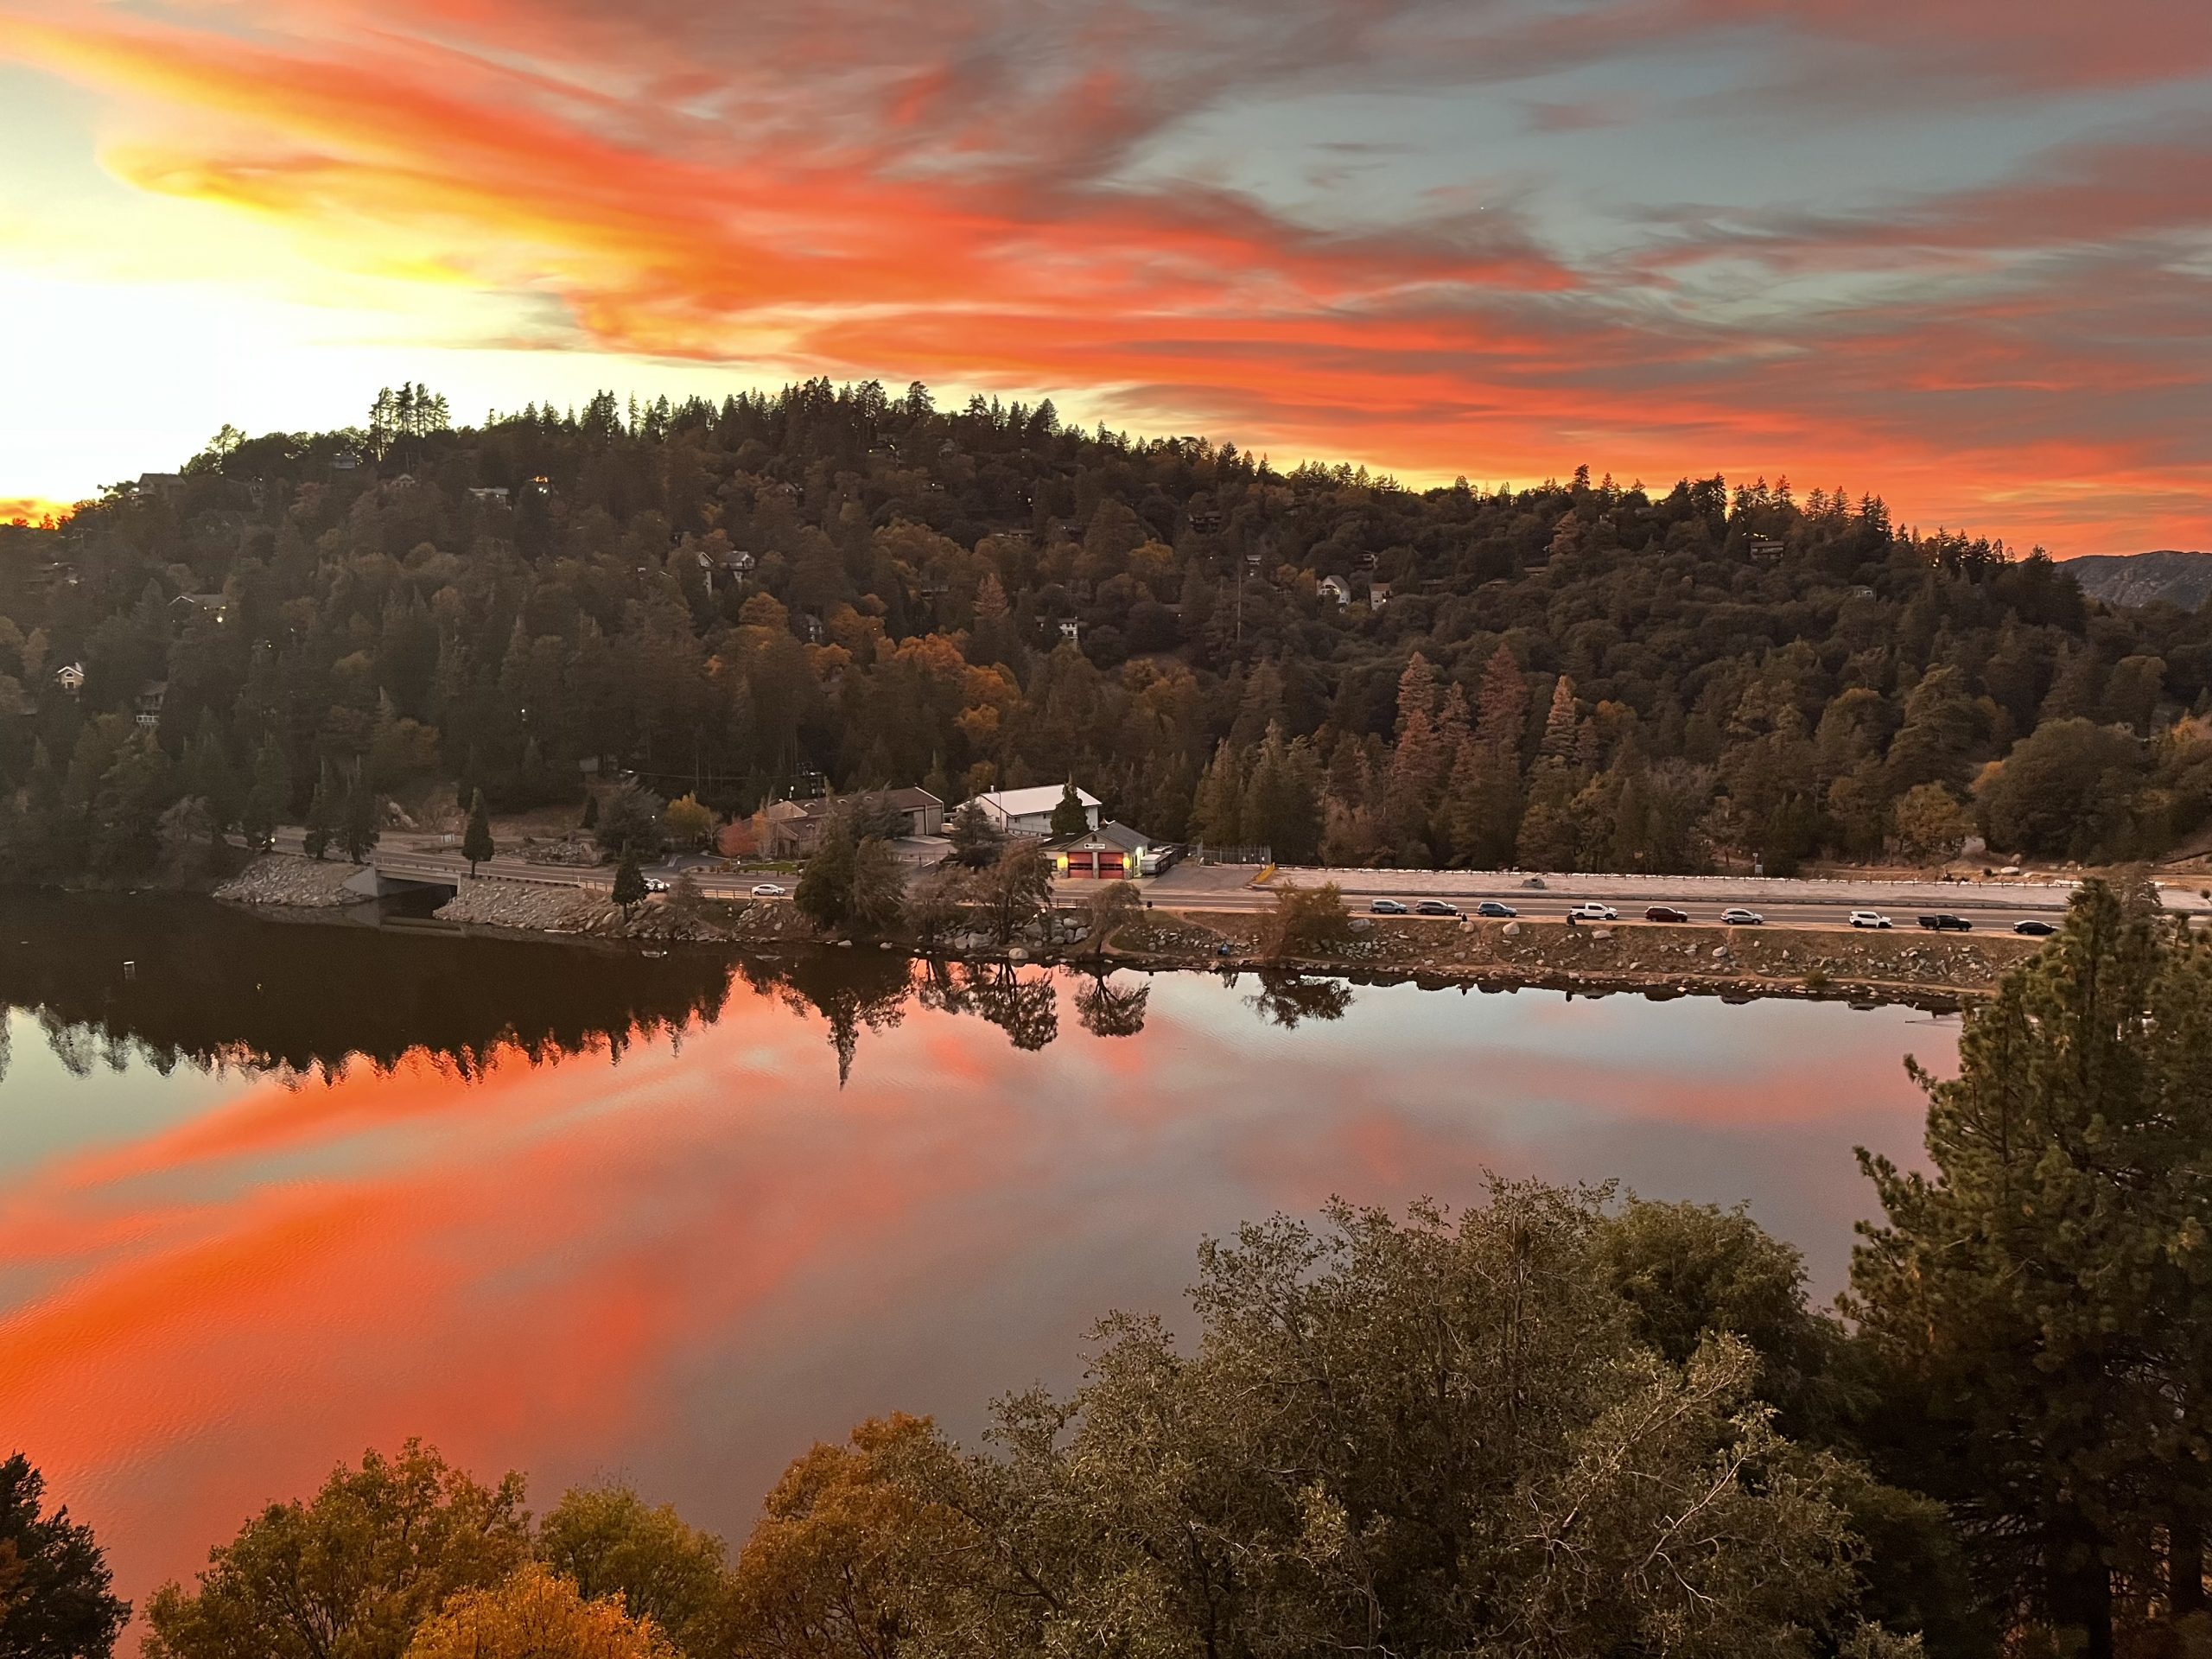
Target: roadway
{"type": "Point", "coordinates": [1991, 906]}
{"type": "Point", "coordinates": [1553, 905]}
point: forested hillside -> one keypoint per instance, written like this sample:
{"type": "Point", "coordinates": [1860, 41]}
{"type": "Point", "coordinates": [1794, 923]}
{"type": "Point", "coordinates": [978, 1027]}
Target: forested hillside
{"type": "Point", "coordinates": [2167, 578]}
{"type": "Point", "coordinates": [836, 586]}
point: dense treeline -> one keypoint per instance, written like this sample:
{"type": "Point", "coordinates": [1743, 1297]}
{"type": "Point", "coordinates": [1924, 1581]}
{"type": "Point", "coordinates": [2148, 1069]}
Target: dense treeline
{"type": "Point", "coordinates": [832, 585]}
{"type": "Point", "coordinates": [1555, 1425]}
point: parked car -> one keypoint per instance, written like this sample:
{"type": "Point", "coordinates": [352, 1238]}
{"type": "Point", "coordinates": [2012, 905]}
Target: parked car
{"type": "Point", "coordinates": [1491, 907]}
{"type": "Point", "coordinates": [655, 884]}
{"type": "Point", "coordinates": [1666, 913]}
{"type": "Point", "coordinates": [1592, 911]}
{"type": "Point", "coordinates": [1387, 908]}
{"type": "Point", "coordinates": [1737, 916]}
{"type": "Point", "coordinates": [1435, 907]}
{"type": "Point", "coordinates": [1869, 918]}
{"type": "Point", "coordinates": [768, 890]}
{"type": "Point", "coordinates": [1944, 922]}
{"type": "Point", "coordinates": [2034, 928]}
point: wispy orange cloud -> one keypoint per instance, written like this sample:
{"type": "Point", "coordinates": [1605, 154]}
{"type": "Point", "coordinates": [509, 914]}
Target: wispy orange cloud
{"type": "Point", "coordinates": [1021, 196]}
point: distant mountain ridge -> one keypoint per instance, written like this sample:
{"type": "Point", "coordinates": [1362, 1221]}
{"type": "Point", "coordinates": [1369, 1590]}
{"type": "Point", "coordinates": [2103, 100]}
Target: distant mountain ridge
{"type": "Point", "coordinates": [2183, 579]}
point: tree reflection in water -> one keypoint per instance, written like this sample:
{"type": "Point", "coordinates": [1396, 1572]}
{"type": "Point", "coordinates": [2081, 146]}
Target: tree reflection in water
{"type": "Point", "coordinates": [161, 982]}
{"type": "Point", "coordinates": [1107, 1009]}
{"type": "Point", "coordinates": [1286, 997]}
{"type": "Point", "coordinates": [1027, 1010]}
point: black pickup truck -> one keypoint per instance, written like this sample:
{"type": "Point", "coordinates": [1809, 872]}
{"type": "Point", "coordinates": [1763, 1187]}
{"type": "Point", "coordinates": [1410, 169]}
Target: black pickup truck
{"type": "Point", "coordinates": [1944, 922]}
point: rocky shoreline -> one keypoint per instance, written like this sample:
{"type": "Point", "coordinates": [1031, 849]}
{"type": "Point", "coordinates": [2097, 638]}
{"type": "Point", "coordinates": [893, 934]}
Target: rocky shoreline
{"type": "Point", "coordinates": [1897, 966]}
{"type": "Point", "coordinates": [288, 883]}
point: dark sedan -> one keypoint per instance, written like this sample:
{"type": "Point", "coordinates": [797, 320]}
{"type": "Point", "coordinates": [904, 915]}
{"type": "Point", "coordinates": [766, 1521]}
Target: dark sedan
{"type": "Point", "coordinates": [2034, 928]}
{"type": "Point", "coordinates": [1435, 907]}
{"type": "Point", "coordinates": [1491, 907]}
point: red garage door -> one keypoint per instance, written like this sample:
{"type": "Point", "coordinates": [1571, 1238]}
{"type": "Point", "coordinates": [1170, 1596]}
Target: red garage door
{"type": "Point", "coordinates": [1110, 867]}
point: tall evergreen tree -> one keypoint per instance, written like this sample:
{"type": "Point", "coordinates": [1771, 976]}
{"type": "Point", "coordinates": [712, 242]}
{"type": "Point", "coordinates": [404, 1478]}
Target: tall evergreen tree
{"type": "Point", "coordinates": [2042, 1300]}
{"type": "Point", "coordinates": [476, 845]}
{"type": "Point", "coordinates": [56, 1597]}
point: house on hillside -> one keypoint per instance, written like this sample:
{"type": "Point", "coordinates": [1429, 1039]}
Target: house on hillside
{"type": "Point", "coordinates": [793, 828]}
{"type": "Point", "coordinates": [70, 676]}
{"type": "Point", "coordinates": [1111, 851]}
{"type": "Point", "coordinates": [1335, 588]}
{"type": "Point", "coordinates": [164, 486]}
{"type": "Point", "coordinates": [151, 696]}
{"type": "Point", "coordinates": [185, 607]}
{"type": "Point", "coordinates": [490, 495]}
{"type": "Point", "coordinates": [1029, 812]}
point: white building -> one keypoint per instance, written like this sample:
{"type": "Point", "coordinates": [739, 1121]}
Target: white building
{"type": "Point", "coordinates": [1029, 812]}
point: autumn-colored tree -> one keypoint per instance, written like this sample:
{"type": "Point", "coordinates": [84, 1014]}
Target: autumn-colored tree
{"type": "Point", "coordinates": [351, 1572]}
{"type": "Point", "coordinates": [535, 1614]}
{"type": "Point", "coordinates": [1307, 921]}
{"type": "Point", "coordinates": [1930, 822]}
{"type": "Point", "coordinates": [1561, 724]}
{"type": "Point", "coordinates": [848, 1559]}
{"type": "Point", "coordinates": [689, 824]}
{"type": "Point", "coordinates": [610, 1543]}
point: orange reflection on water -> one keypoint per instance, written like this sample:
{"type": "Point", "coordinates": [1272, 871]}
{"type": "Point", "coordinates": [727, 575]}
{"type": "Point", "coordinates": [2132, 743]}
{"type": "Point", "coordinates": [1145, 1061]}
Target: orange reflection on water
{"type": "Point", "coordinates": [685, 1263]}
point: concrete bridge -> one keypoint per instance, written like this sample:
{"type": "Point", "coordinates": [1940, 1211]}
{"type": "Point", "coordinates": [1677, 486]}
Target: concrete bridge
{"type": "Point", "coordinates": [370, 882]}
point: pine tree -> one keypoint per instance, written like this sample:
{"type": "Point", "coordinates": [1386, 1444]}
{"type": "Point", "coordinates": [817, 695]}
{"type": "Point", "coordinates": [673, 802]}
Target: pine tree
{"type": "Point", "coordinates": [322, 818]}
{"type": "Point", "coordinates": [1480, 816]}
{"type": "Point", "coordinates": [1070, 816]}
{"type": "Point", "coordinates": [358, 827]}
{"type": "Point", "coordinates": [1561, 725]}
{"type": "Point", "coordinates": [1416, 692]}
{"type": "Point", "coordinates": [266, 801]}
{"type": "Point", "coordinates": [476, 844]}
{"type": "Point", "coordinates": [1502, 706]}
{"type": "Point", "coordinates": [1218, 813]}
{"type": "Point", "coordinates": [1453, 722]}
{"type": "Point", "coordinates": [2041, 1301]}
{"type": "Point", "coordinates": [629, 882]}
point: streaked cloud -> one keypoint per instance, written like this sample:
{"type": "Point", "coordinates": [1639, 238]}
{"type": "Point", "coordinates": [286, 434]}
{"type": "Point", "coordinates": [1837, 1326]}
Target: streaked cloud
{"type": "Point", "coordinates": [1893, 246]}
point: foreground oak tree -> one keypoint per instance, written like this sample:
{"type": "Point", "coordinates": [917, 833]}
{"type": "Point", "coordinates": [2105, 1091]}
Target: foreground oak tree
{"type": "Point", "coordinates": [350, 1573]}
{"type": "Point", "coordinates": [1434, 1436]}
{"type": "Point", "coordinates": [538, 1614]}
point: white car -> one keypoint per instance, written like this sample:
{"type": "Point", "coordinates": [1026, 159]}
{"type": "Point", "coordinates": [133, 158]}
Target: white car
{"type": "Point", "coordinates": [1593, 911]}
{"type": "Point", "coordinates": [1737, 916]}
{"type": "Point", "coordinates": [768, 890]}
{"type": "Point", "coordinates": [1869, 918]}
{"type": "Point", "coordinates": [655, 884]}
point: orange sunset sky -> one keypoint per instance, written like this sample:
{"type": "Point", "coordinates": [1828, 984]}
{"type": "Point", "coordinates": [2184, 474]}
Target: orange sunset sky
{"type": "Point", "coordinates": [1957, 253]}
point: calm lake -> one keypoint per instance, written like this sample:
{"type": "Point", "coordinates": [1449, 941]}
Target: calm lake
{"type": "Point", "coordinates": [272, 1193]}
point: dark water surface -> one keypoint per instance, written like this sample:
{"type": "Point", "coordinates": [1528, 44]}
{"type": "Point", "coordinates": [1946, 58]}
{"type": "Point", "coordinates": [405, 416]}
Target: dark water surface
{"type": "Point", "coordinates": [277, 1193]}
